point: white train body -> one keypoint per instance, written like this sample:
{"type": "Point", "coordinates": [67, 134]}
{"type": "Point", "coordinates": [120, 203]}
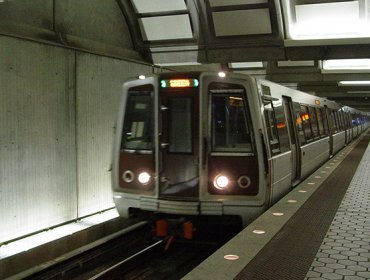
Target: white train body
{"type": "Point", "coordinates": [200, 144]}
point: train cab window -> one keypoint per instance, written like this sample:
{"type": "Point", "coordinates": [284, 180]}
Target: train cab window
{"type": "Point", "coordinates": [314, 124]}
{"type": "Point", "coordinates": [180, 130]}
{"type": "Point", "coordinates": [231, 126]}
{"type": "Point", "coordinates": [281, 125]}
{"type": "Point", "coordinates": [271, 127]}
{"type": "Point", "coordinates": [305, 117]}
{"type": "Point", "coordinates": [138, 126]}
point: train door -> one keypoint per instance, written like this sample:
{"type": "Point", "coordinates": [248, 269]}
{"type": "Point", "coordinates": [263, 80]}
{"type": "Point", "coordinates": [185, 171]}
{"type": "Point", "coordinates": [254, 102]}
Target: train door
{"type": "Point", "coordinates": [294, 143]}
{"type": "Point", "coordinates": [178, 144]}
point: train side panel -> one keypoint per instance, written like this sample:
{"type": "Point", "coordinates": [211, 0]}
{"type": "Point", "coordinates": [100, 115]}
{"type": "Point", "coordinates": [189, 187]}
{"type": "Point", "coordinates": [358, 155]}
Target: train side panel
{"type": "Point", "coordinates": [241, 144]}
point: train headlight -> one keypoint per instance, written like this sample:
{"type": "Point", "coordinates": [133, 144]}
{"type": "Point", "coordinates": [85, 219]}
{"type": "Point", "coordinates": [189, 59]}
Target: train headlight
{"type": "Point", "coordinates": [144, 178]}
{"type": "Point", "coordinates": [222, 74]}
{"type": "Point", "coordinates": [221, 181]}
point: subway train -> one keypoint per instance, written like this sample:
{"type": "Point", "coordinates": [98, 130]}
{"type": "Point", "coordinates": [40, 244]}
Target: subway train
{"type": "Point", "coordinates": [220, 144]}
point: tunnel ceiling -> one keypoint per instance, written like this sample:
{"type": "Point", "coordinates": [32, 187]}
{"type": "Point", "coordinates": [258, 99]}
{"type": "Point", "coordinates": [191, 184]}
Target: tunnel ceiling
{"type": "Point", "coordinates": [293, 42]}
{"type": "Point", "coordinates": [300, 43]}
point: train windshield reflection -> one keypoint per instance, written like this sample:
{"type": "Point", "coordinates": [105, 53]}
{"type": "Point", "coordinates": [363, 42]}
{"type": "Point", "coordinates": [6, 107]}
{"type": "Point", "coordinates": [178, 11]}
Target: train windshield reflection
{"type": "Point", "coordinates": [230, 126]}
{"type": "Point", "coordinates": [138, 127]}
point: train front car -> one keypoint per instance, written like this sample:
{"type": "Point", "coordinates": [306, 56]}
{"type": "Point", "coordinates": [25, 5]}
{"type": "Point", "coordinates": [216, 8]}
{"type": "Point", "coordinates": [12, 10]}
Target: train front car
{"type": "Point", "coordinates": [190, 144]}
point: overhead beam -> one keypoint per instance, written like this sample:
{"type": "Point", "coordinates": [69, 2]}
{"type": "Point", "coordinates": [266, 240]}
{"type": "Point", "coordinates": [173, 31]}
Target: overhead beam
{"type": "Point", "coordinates": [328, 52]}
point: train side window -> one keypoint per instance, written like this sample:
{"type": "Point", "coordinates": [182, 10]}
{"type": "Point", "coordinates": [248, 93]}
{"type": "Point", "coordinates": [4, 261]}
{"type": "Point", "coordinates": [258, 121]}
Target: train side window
{"type": "Point", "coordinates": [345, 118]}
{"type": "Point", "coordinates": [334, 121]}
{"type": "Point", "coordinates": [313, 120]}
{"type": "Point", "coordinates": [298, 123]}
{"type": "Point", "coordinates": [305, 117]}
{"type": "Point", "coordinates": [138, 125]}
{"type": "Point", "coordinates": [281, 125]}
{"type": "Point", "coordinates": [320, 122]}
{"type": "Point", "coordinates": [340, 112]}
{"type": "Point", "coordinates": [325, 121]}
{"type": "Point", "coordinates": [231, 128]}
{"type": "Point", "coordinates": [271, 127]}
{"type": "Point", "coordinates": [339, 124]}
{"type": "Point", "coordinates": [354, 120]}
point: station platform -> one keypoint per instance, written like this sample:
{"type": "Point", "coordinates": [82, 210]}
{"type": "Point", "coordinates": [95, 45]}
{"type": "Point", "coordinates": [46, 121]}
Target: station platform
{"type": "Point", "coordinates": [320, 230]}
{"type": "Point", "coordinates": [26, 256]}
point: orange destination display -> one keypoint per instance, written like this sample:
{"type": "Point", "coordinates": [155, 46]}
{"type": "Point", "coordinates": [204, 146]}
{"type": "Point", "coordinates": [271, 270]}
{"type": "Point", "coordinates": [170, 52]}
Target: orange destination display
{"type": "Point", "coordinates": [179, 83]}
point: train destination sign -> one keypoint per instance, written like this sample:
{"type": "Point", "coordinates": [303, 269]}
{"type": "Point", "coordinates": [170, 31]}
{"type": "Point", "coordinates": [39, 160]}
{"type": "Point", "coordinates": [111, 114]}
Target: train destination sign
{"type": "Point", "coordinates": [179, 83]}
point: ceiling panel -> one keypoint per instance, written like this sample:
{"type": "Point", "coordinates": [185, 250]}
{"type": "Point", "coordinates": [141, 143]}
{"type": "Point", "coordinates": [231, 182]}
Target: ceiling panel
{"type": "Point", "coordinates": [220, 3]}
{"type": "Point", "coordinates": [155, 6]}
{"type": "Point", "coordinates": [166, 28]}
{"type": "Point", "coordinates": [229, 23]}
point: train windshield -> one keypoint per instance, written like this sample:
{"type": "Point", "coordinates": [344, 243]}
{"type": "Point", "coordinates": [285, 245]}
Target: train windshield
{"type": "Point", "coordinates": [231, 129]}
{"type": "Point", "coordinates": [137, 131]}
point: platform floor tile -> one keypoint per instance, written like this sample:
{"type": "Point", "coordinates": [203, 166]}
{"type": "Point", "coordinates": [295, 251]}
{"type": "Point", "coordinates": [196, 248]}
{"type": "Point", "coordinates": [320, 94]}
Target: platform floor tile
{"type": "Point", "coordinates": [345, 250]}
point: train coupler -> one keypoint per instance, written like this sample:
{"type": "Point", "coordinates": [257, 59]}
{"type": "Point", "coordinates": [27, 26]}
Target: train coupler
{"type": "Point", "coordinates": [176, 228]}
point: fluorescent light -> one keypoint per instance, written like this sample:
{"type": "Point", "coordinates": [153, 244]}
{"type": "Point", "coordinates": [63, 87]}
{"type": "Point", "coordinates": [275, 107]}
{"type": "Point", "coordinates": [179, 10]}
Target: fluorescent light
{"type": "Point", "coordinates": [359, 91]}
{"type": "Point", "coordinates": [236, 65]}
{"type": "Point", "coordinates": [179, 64]}
{"type": "Point", "coordinates": [346, 64]}
{"type": "Point", "coordinates": [354, 83]}
{"type": "Point", "coordinates": [326, 20]}
{"type": "Point", "coordinates": [296, 63]}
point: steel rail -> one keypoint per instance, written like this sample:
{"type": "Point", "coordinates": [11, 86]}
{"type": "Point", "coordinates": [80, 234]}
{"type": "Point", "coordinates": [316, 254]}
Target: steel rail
{"type": "Point", "coordinates": [125, 260]}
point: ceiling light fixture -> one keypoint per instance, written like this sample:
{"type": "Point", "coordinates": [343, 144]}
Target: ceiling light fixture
{"type": "Point", "coordinates": [354, 83]}
{"type": "Point", "coordinates": [346, 64]}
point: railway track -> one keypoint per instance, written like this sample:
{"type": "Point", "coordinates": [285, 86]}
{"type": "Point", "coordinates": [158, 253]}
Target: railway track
{"type": "Point", "coordinates": [134, 255]}
{"type": "Point", "coordinates": [157, 264]}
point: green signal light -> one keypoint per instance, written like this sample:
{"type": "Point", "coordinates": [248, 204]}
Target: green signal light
{"type": "Point", "coordinates": [196, 83]}
{"type": "Point", "coordinates": [163, 84]}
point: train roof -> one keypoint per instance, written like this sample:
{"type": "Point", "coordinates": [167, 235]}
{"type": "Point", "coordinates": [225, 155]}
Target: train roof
{"type": "Point", "coordinates": [298, 96]}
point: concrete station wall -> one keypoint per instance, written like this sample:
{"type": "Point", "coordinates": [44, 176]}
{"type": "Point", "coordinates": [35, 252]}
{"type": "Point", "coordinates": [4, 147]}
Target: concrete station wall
{"type": "Point", "coordinates": [58, 108]}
